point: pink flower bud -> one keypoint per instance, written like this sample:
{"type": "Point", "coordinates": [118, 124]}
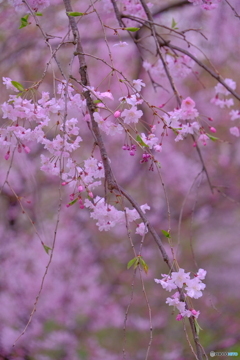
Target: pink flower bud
{"type": "Point", "coordinates": [64, 183]}
{"type": "Point", "coordinates": [7, 155]}
{"type": "Point", "coordinates": [194, 312]}
{"type": "Point", "coordinates": [71, 197]}
{"type": "Point", "coordinates": [80, 188]}
{"type": "Point", "coordinates": [179, 317]}
{"type": "Point", "coordinates": [194, 144]}
{"type": "Point", "coordinates": [81, 205]}
{"type": "Point", "coordinates": [212, 129]}
{"type": "Point", "coordinates": [67, 205]}
{"type": "Point", "coordinates": [87, 117]}
{"type": "Point", "coordinates": [26, 148]}
{"type": "Point", "coordinates": [117, 114]}
{"type": "Point", "coordinates": [90, 194]}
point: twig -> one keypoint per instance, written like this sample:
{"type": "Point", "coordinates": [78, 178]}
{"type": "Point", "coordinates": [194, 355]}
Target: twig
{"type": "Point", "coordinates": [46, 270]}
{"type": "Point", "coordinates": [236, 14]}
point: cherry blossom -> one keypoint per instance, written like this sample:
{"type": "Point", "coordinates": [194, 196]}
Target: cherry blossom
{"type": "Point", "coordinates": [234, 115]}
{"type": "Point", "coordinates": [8, 83]}
{"type": "Point", "coordinates": [194, 287]}
{"type": "Point", "coordinates": [180, 277]}
{"type": "Point", "coordinates": [141, 229]}
{"type": "Point", "coordinates": [234, 131]}
{"type": "Point", "coordinates": [132, 115]}
{"type": "Point", "coordinates": [138, 84]}
{"type": "Point", "coordinates": [121, 44]}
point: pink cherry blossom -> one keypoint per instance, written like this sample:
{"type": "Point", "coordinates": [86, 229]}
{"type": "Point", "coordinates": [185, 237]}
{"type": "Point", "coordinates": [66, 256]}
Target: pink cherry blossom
{"type": "Point", "coordinates": [141, 229]}
{"type": "Point", "coordinates": [180, 277]}
{"type": "Point", "coordinates": [235, 131]}
{"type": "Point", "coordinates": [138, 84]}
{"type": "Point", "coordinates": [194, 287]}
{"type": "Point", "coordinates": [132, 115]}
{"type": "Point", "coordinates": [234, 115]}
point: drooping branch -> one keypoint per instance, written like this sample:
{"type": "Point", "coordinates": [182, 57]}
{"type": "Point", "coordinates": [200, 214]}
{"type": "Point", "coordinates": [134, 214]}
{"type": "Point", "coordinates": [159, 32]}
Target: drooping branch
{"type": "Point", "coordinates": [165, 66]}
{"type": "Point", "coordinates": [168, 44]}
{"type": "Point", "coordinates": [170, 7]}
{"type": "Point", "coordinates": [109, 177]}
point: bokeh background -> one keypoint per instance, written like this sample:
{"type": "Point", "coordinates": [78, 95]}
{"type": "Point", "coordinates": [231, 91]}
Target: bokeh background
{"type": "Point", "coordinates": [88, 289]}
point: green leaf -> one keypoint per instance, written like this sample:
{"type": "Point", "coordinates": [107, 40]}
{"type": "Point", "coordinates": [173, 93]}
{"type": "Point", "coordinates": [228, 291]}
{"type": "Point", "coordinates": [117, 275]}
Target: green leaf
{"type": "Point", "coordinates": [132, 29]}
{"type": "Point", "coordinates": [47, 248]}
{"type": "Point", "coordinates": [140, 141]}
{"type": "Point", "coordinates": [198, 327]}
{"type": "Point", "coordinates": [173, 26]}
{"type": "Point", "coordinates": [166, 233]}
{"type": "Point", "coordinates": [97, 101]}
{"type": "Point", "coordinates": [73, 202]}
{"type": "Point", "coordinates": [75, 13]}
{"type": "Point", "coordinates": [132, 262]}
{"type": "Point", "coordinates": [143, 265]}
{"type": "Point", "coordinates": [38, 14]}
{"type": "Point", "coordinates": [17, 85]}
{"type": "Point", "coordinates": [213, 138]}
{"type": "Point", "coordinates": [24, 21]}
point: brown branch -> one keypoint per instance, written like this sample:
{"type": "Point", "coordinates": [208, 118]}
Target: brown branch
{"type": "Point", "coordinates": [150, 228]}
{"type": "Point", "coordinates": [235, 12]}
{"type": "Point", "coordinates": [198, 346]}
{"type": "Point", "coordinates": [109, 177]}
{"type": "Point", "coordinates": [206, 68]}
{"type": "Point", "coordinates": [154, 34]}
{"type": "Point", "coordinates": [170, 7]}
{"type": "Point", "coordinates": [117, 13]}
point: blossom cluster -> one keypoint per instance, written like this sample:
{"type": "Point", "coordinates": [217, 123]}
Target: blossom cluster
{"type": "Point", "coordinates": [29, 123]}
{"type": "Point", "coordinates": [129, 7]}
{"type": "Point", "coordinates": [108, 216]}
{"type": "Point", "coordinates": [222, 101]}
{"type": "Point", "coordinates": [179, 119]}
{"type": "Point", "coordinates": [220, 90]}
{"type": "Point", "coordinates": [191, 288]}
{"type": "Point", "coordinates": [36, 5]}
{"type": "Point", "coordinates": [179, 66]}
{"type": "Point", "coordinates": [206, 4]}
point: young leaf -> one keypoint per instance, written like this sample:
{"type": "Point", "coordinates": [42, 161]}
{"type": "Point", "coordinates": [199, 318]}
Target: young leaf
{"type": "Point", "coordinates": [136, 263]}
{"type": "Point", "coordinates": [132, 262]}
{"type": "Point", "coordinates": [97, 101]}
{"type": "Point", "coordinates": [198, 328]}
{"type": "Point", "coordinates": [140, 141]}
{"type": "Point", "coordinates": [143, 265]}
{"type": "Point", "coordinates": [38, 14]}
{"type": "Point", "coordinates": [132, 29]}
{"type": "Point", "coordinates": [73, 202]}
{"type": "Point", "coordinates": [213, 138]}
{"type": "Point", "coordinates": [75, 13]}
{"type": "Point", "coordinates": [17, 85]}
{"type": "Point", "coordinates": [166, 233]}
{"type": "Point", "coordinates": [24, 21]}
{"type": "Point", "coordinates": [47, 248]}
{"type": "Point", "coordinates": [173, 26]}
